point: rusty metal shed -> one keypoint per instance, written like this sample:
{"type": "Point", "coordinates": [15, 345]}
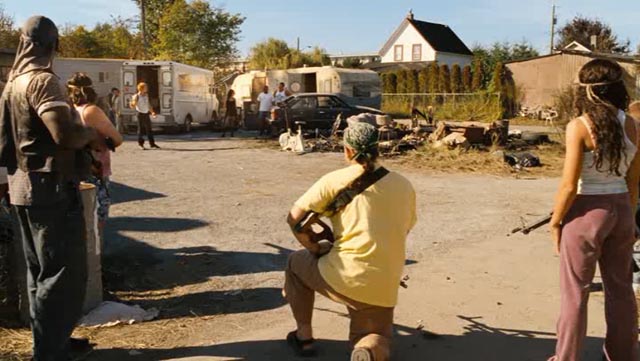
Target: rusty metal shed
{"type": "Point", "coordinates": [542, 78]}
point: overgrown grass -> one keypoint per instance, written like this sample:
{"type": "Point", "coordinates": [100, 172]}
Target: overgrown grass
{"type": "Point", "coordinates": [476, 107]}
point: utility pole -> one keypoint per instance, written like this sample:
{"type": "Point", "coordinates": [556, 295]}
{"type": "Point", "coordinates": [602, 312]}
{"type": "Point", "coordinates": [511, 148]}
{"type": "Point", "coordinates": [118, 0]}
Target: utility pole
{"type": "Point", "coordinates": [143, 28]}
{"type": "Point", "coordinates": [298, 43]}
{"type": "Point", "coordinates": [554, 21]}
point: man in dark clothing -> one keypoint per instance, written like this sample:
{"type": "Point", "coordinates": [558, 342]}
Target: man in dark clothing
{"type": "Point", "coordinates": [41, 145]}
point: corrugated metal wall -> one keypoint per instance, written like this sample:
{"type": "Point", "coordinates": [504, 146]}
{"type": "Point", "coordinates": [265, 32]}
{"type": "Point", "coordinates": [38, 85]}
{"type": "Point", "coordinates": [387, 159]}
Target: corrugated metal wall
{"type": "Point", "coordinates": [542, 78]}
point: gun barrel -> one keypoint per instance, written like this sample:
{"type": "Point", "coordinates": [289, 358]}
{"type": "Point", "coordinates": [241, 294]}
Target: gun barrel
{"type": "Point", "coordinates": [533, 226]}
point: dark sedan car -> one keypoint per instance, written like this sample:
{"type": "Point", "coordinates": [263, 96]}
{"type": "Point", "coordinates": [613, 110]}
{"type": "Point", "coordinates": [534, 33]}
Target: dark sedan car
{"type": "Point", "coordinates": [316, 110]}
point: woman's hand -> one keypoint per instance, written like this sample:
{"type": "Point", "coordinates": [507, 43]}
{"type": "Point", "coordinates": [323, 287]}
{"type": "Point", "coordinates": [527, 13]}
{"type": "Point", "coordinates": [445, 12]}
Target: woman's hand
{"type": "Point", "coordinates": [556, 235]}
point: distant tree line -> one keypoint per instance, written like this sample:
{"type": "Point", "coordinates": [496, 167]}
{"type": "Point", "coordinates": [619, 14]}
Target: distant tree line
{"type": "Point", "coordinates": [276, 54]}
{"type": "Point", "coordinates": [192, 32]}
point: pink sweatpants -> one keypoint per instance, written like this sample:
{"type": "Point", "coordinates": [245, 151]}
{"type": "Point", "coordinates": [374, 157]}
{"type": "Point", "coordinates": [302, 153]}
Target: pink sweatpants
{"type": "Point", "coordinates": [598, 229]}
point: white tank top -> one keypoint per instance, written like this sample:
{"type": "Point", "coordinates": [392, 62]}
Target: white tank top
{"type": "Point", "coordinates": [594, 182]}
{"type": "Point", "coordinates": [281, 96]}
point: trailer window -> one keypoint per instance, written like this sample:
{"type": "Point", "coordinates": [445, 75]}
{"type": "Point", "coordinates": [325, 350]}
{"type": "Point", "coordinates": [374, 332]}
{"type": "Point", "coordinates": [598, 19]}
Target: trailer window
{"type": "Point", "coordinates": [166, 101]}
{"type": "Point", "coordinates": [101, 77]}
{"type": "Point", "coordinates": [191, 83]}
{"type": "Point", "coordinates": [128, 78]}
{"type": "Point", "coordinates": [166, 78]}
{"type": "Point", "coordinates": [361, 92]}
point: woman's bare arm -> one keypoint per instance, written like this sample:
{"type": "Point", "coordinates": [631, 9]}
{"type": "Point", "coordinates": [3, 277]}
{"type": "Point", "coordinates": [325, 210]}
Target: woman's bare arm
{"type": "Point", "coordinates": [96, 118]}
{"type": "Point", "coordinates": [633, 174]}
{"type": "Point", "coordinates": [571, 172]}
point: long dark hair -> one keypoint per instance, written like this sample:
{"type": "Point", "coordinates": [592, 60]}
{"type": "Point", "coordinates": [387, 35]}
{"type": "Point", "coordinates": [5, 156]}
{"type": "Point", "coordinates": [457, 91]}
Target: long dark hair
{"type": "Point", "coordinates": [81, 89]}
{"type": "Point", "coordinates": [230, 94]}
{"type": "Point", "coordinates": [601, 95]}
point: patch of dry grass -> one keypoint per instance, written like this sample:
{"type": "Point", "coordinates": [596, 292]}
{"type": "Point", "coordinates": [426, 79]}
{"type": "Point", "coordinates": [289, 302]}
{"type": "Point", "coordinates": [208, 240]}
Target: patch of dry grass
{"type": "Point", "coordinates": [444, 160]}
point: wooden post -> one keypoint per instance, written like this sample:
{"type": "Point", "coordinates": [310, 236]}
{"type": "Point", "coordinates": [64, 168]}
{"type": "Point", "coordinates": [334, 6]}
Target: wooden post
{"type": "Point", "coordinates": [93, 296]}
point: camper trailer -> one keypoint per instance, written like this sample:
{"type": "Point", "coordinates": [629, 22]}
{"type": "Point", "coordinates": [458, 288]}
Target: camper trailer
{"type": "Point", "coordinates": [357, 87]}
{"type": "Point", "coordinates": [104, 73]}
{"type": "Point", "coordinates": [180, 94]}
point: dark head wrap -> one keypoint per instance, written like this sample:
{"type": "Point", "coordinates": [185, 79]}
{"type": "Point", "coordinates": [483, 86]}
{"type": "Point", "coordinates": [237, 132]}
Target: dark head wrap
{"type": "Point", "coordinates": [38, 42]}
{"type": "Point", "coordinates": [361, 137]}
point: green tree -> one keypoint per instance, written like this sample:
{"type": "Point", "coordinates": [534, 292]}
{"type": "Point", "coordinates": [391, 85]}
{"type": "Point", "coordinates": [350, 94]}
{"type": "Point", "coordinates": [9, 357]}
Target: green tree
{"type": "Point", "coordinates": [197, 33]}
{"type": "Point", "coordinates": [401, 81]}
{"type": "Point", "coordinates": [466, 79]}
{"type": "Point", "coordinates": [581, 29]}
{"type": "Point", "coordinates": [434, 77]}
{"type": "Point", "coordinates": [392, 83]}
{"type": "Point", "coordinates": [456, 79]}
{"type": "Point", "coordinates": [9, 34]}
{"type": "Point", "coordinates": [353, 63]}
{"type": "Point", "coordinates": [116, 40]}
{"type": "Point", "coordinates": [497, 79]}
{"type": "Point", "coordinates": [154, 10]}
{"type": "Point", "coordinates": [412, 81]}
{"type": "Point", "coordinates": [478, 75]}
{"type": "Point", "coordinates": [501, 52]}
{"type": "Point", "coordinates": [78, 42]}
{"type": "Point", "coordinates": [445, 79]}
{"type": "Point", "coordinates": [423, 80]}
{"type": "Point", "coordinates": [276, 54]}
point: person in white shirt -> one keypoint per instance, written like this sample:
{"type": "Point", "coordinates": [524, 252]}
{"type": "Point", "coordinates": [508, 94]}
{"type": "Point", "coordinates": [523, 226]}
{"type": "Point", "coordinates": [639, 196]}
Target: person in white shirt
{"type": "Point", "coordinates": [281, 94]}
{"type": "Point", "coordinates": [140, 102]}
{"type": "Point", "coordinates": [266, 102]}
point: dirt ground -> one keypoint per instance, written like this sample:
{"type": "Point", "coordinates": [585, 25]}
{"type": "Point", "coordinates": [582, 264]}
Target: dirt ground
{"type": "Point", "coordinates": [198, 230]}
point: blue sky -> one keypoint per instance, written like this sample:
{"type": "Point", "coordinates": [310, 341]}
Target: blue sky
{"type": "Point", "coordinates": [363, 26]}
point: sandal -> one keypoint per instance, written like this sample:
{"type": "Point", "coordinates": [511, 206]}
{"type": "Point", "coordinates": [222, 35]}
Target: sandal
{"type": "Point", "coordinates": [302, 348]}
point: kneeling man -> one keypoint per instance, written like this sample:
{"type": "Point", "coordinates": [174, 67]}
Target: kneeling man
{"type": "Point", "coordinates": [364, 267]}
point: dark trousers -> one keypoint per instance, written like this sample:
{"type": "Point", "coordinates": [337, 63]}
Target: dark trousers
{"type": "Point", "coordinates": [54, 242]}
{"type": "Point", "coordinates": [263, 121]}
{"type": "Point", "coordinates": [144, 127]}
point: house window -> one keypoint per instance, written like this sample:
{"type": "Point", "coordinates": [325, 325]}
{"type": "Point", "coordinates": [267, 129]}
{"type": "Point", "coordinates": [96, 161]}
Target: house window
{"type": "Point", "coordinates": [417, 52]}
{"type": "Point", "coordinates": [101, 77]}
{"type": "Point", "coordinates": [397, 52]}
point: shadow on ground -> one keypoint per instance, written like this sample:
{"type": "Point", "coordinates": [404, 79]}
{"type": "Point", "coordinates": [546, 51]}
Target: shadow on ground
{"type": "Point", "coordinates": [480, 342]}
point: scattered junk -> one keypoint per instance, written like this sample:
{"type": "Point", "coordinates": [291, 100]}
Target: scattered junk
{"type": "Point", "coordinates": [522, 160]}
{"type": "Point", "coordinates": [110, 314]}
{"type": "Point", "coordinates": [396, 139]}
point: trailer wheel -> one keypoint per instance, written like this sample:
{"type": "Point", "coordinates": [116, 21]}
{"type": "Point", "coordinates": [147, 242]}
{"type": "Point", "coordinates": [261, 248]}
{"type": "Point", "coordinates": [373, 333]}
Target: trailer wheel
{"type": "Point", "coordinates": [188, 122]}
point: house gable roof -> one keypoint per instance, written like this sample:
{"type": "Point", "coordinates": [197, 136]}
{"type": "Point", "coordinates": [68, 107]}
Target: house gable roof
{"type": "Point", "coordinates": [439, 36]}
{"type": "Point", "coordinates": [576, 46]}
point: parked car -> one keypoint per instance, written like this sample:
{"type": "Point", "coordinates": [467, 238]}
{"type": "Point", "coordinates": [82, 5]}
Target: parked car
{"type": "Point", "coordinates": [316, 110]}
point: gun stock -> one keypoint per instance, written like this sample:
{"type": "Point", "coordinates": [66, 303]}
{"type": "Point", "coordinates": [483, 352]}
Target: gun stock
{"type": "Point", "coordinates": [528, 228]}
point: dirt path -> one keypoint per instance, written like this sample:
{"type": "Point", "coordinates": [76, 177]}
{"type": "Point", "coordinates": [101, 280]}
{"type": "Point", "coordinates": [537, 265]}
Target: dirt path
{"type": "Point", "coordinates": [198, 230]}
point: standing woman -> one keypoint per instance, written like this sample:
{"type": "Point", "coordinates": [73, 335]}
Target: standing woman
{"type": "Point", "coordinates": [593, 218]}
{"type": "Point", "coordinates": [84, 97]}
{"type": "Point", "coordinates": [231, 114]}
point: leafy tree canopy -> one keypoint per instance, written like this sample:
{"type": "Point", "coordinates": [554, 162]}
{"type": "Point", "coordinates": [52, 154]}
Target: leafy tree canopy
{"type": "Point", "coordinates": [581, 29]}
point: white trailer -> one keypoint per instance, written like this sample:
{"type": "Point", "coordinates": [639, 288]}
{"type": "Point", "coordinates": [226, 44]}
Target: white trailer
{"type": "Point", "coordinates": [180, 94]}
{"type": "Point", "coordinates": [104, 73]}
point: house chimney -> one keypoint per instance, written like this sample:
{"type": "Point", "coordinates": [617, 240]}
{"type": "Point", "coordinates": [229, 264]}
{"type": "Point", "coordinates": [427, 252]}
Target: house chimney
{"type": "Point", "coordinates": [410, 14]}
{"type": "Point", "coordinates": [594, 42]}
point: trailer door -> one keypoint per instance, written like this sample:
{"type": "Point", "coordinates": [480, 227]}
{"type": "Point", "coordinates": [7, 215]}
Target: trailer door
{"type": "Point", "coordinates": [128, 77]}
{"type": "Point", "coordinates": [166, 89]}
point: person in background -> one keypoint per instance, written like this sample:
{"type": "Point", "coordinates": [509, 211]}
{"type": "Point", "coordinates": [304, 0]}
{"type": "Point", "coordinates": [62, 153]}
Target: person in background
{"type": "Point", "coordinates": [265, 101]}
{"type": "Point", "coordinates": [114, 98]}
{"type": "Point", "coordinates": [45, 165]}
{"type": "Point", "coordinates": [83, 97]}
{"type": "Point", "coordinates": [231, 114]}
{"type": "Point", "coordinates": [281, 94]}
{"type": "Point", "coordinates": [593, 217]}
{"type": "Point", "coordinates": [141, 103]}
{"type": "Point", "coordinates": [364, 267]}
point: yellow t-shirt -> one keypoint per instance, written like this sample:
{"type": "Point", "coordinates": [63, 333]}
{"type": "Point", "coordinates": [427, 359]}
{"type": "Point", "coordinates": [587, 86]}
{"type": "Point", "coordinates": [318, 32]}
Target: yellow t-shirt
{"type": "Point", "coordinates": [368, 256]}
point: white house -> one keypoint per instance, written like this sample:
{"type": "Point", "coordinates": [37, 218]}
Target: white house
{"type": "Point", "coordinates": [418, 41]}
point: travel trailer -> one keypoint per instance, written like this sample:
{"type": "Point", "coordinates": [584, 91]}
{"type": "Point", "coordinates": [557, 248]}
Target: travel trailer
{"type": "Point", "coordinates": [181, 95]}
{"type": "Point", "coordinates": [104, 73]}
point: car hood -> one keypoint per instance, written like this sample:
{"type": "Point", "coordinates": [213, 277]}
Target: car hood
{"type": "Point", "coordinates": [369, 110]}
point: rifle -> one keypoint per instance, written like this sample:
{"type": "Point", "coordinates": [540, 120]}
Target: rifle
{"type": "Point", "coordinates": [324, 238]}
{"type": "Point", "coordinates": [528, 228]}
